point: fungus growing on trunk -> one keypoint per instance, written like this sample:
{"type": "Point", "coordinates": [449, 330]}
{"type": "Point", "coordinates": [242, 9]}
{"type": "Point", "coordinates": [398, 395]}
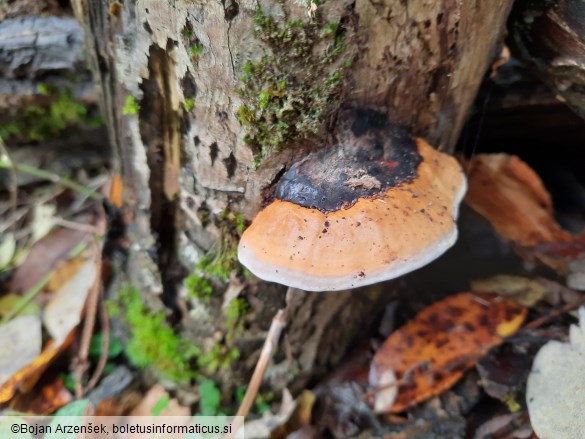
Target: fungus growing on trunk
{"type": "Point", "coordinates": [377, 206]}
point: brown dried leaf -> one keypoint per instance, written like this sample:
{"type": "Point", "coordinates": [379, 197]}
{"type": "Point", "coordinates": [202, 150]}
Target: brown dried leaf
{"type": "Point", "coordinates": [153, 397]}
{"type": "Point", "coordinates": [507, 192]}
{"type": "Point", "coordinates": [49, 398]}
{"type": "Point", "coordinates": [44, 257]}
{"type": "Point", "coordinates": [431, 352]}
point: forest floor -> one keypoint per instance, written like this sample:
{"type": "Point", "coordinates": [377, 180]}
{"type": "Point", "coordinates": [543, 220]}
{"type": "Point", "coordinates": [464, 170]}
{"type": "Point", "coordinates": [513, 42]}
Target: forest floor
{"type": "Point", "coordinates": [488, 342]}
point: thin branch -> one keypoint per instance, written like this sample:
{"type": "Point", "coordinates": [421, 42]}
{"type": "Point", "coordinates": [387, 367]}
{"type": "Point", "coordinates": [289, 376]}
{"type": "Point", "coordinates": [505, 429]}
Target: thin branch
{"type": "Point", "coordinates": [276, 327]}
{"type": "Point", "coordinates": [26, 299]}
{"type": "Point", "coordinates": [541, 321]}
{"type": "Point", "coordinates": [81, 361]}
{"type": "Point", "coordinates": [12, 185]}
{"type": "Point", "coordinates": [6, 163]}
{"type": "Point", "coordinates": [105, 325]}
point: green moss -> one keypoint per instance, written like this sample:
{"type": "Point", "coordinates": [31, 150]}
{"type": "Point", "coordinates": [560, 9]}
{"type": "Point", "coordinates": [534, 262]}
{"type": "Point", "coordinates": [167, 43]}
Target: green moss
{"type": "Point", "coordinates": [131, 106]}
{"type": "Point", "coordinates": [197, 286]}
{"type": "Point", "coordinates": [261, 403]}
{"type": "Point", "coordinates": [288, 93]}
{"type": "Point", "coordinates": [193, 44]}
{"type": "Point", "coordinates": [44, 122]}
{"type": "Point", "coordinates": [189, 104]}
{"type": "Point", "coordinates": [234, 313]}
{"type": "Point", "coordinates": [219, 357]}
{"type": "Point", "coordinates": [195, 51]}
{"type": "Point", "coordinates": [221, 259]}
{"type": "Point", "coordinates": [187, 33]}
{"type": "Point", "coordinates": [152, 342]}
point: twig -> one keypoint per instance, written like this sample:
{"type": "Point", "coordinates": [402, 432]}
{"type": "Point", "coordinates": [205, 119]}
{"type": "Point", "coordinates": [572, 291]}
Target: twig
{"type": "Point", "coordinates": [541, 321]}
{"type": "Point", "coordinates": [6, 163]}
{"type": "Point", "coordinates": [103, 360]}
{"type": "Point", "coordinates": [278, 323]}
{"type": "Point", "coordinates": [81, 361]}
{"type": "Point", "coordinates": [30, 295]}
{"type": "Point", "coordinates": [12, 185]}
{"type": "Point", "coordinates": [86, 228]}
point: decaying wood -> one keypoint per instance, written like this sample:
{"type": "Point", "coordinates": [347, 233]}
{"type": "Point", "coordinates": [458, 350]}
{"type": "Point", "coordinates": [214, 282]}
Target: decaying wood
{"type": "Point", "coordinates": [550, 36]}
{"type": "Point", "coordinates": [425, 60]}
{"type": "Point", "coordinates": [35, 50]}
{"type": "Point", "coordinates": [421, 62]}
{"type": "Point", "coordinates": [47, 51]}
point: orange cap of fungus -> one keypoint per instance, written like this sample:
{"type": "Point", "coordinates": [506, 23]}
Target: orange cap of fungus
{"type": "Point", "coordinates": [378, 237]}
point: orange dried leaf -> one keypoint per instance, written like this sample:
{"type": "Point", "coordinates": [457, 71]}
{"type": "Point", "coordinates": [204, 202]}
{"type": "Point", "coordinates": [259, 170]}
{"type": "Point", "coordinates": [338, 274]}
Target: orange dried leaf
{"type": "Point", "coordinates": [431, 352]}
{"type": "Point", "coordinates": [507, 192]}
{"type": "Point", "coordinates": [49, 398]}
{"type": "Point", "coordinates": [64, 271]}
{"type": "Point", "coordinates": [27, 376]}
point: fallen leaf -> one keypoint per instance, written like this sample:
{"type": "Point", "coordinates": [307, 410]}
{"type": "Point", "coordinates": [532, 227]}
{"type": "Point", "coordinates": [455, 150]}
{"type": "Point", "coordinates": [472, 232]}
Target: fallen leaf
{"type": "Point", "coordinates": [504, 373]}
{"type": "Point", "coordinates": [7, 249]}
{"type": "Point", "coordinates": [512, 197]}
{"type": "Point", "coordinates": [63, 272]}
{"type": "Point", "coordinates": [558, 255]}
{"type": "Point", "coordinates": [46, 400]}
{"type": "Point", "coordinates": [42, 220]}
{"type": "Point", "coordinates": [44, 257]}
{"type": "Point", "coordinates": [63, 312]}
{"type": "Point", "coordinates": [20, 343]}
{"type": "Point", "coordinates": [523, 290]}
{"type": "Point", "coordinates": [153, 398]}
{"type": "Point", "coordinates": [299, 418]}
{"type": "Point", "coordinates": [555, 391]}
{"type": "Point", "coordinates": [387, 384]}
{"type": "Point", "coordinates": [507, 192]}
{"type": "Point", "coordinates": [514, 425]}
{"type": "Point", "coordinates": [10, 301]}
{"type": "Point", "coordinates": [292, 416]}
{"type": "Point", "coordinates": [576, 276]}
{"type": "Point", "coordinates": [26, 377]}
{"type": "Point", "coordinates": [432, 351]}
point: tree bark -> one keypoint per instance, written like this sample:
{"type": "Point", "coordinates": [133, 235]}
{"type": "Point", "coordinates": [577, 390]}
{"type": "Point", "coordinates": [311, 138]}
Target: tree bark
{"type": "Point", "coordinates": [421, 62]}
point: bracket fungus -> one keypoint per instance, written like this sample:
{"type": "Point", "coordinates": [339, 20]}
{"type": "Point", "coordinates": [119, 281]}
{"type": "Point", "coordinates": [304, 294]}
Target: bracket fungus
{"type": "Point", "coordinates": [379, 205]}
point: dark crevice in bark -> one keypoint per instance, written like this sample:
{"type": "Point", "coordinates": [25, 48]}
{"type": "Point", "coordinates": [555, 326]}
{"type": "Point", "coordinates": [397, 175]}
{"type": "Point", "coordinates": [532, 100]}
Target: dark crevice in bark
{"type": "Point", "coordinates": [230, 164]}
{"type": "Point", "coordinates": [160, 132]}
{"type": "Point", "coordinates": [213, 152]}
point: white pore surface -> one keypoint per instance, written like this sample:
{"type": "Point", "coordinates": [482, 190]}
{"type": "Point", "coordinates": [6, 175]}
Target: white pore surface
{"type": "Point", "coordinates": [556, 387]}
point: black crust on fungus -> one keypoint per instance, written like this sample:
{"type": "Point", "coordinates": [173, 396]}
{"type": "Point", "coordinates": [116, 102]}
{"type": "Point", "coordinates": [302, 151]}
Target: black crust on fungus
{"type": "Point", "coordinates": [371, 157]}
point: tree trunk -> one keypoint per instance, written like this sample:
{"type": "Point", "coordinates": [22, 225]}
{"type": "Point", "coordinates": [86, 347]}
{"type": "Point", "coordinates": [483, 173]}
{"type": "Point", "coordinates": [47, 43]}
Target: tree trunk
{"type": "Point", "coordinates": [183, 165]}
